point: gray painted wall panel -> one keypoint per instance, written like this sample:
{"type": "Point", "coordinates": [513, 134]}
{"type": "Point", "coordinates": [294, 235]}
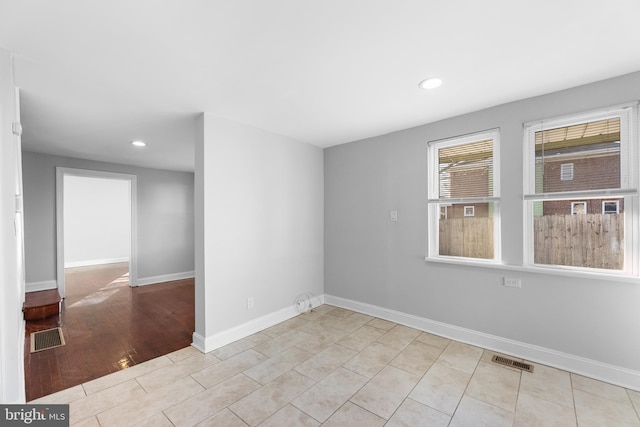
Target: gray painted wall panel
{"type": "Point", "coordinates": [165, 216]}
{"type": "Point", "coordinates": [372, 260]}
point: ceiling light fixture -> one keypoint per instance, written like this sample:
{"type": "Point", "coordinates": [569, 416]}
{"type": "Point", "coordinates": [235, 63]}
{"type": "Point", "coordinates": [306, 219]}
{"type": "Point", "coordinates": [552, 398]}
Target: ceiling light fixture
{"type": "Point", "coordinates": [430, 83]}
{"type": "Point", "coordinates": [139, 143]}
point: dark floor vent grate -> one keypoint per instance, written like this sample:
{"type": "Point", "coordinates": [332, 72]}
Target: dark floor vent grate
{"type": "Point", "coordinates": [512, 363]}
{"type": "Point", "coordinates": [44, 340]}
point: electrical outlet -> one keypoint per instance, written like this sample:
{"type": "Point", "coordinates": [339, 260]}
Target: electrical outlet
{"type": "Point", "coordinates": [393, 216]}
{"type": "Point", "coordinates": [511, 283]}
{"type": "Point", "coordinates": [250, 302]}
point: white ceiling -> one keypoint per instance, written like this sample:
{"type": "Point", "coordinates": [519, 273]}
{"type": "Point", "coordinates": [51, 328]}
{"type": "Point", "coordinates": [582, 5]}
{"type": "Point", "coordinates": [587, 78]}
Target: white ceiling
{"type": "Point", "coordinates": [96, 74]}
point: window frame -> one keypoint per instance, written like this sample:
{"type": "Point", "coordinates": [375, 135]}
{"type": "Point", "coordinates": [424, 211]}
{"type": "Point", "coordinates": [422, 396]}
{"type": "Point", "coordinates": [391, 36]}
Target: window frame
{"type": "Point", "coordinates": [566, 171]}
{"type": "Point", "coordinates": [617, 202]}
{"type": "Point", "coordinates": [629, 184]}
{"type": "Point", "coordinates": [434, 201]}
{"type": "Point", "coordinates": [581, 202]}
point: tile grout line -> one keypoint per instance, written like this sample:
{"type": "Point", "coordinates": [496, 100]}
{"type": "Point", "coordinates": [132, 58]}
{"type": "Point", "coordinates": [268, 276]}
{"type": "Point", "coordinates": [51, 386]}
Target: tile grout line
{"type": "Point", "coordinates": [573, 399]}
{"type": "Point", "coordinates": [515, 409]}
{"type": "Point", "coordinates": [465, 388]}
{"type": "Point", "coordinates": [420, 379]}
{"type": "Point", "coordinates": [346, 333]}
{"type": "Point", "coordinates": [633, 405]}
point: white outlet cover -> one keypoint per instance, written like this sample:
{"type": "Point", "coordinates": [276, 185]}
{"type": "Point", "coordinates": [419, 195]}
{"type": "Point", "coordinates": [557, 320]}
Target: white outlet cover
{"type": "Point", "coordinates": [511, 283]}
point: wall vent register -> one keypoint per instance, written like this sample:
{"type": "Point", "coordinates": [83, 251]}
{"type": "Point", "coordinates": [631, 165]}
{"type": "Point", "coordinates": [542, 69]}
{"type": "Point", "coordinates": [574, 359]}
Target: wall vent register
{"type": "Point", "coordinates": [506, 361]}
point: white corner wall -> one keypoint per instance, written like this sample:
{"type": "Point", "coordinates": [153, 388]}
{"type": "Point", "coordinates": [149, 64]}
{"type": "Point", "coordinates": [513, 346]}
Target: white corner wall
{"type": "Point", "coordinates": [11, 265]}
{"type": "Point", "coordinates": [259, 228]}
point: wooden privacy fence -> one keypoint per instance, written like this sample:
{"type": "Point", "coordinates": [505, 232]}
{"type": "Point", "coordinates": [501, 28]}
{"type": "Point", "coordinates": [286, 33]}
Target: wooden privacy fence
{"type": "Point", "coordinates": [592, 240]}
{"type": "Point", "coordinates": [468, 237]}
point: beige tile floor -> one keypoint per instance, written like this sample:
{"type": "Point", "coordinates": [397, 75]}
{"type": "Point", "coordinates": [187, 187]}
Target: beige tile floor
{"type": "Point", "coordinates": [335, 367]}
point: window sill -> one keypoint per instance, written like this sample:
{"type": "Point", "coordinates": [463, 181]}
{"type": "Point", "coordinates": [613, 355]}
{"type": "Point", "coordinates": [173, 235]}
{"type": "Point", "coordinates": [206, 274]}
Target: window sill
{"type": "Point", "coordinates": [535, 269]}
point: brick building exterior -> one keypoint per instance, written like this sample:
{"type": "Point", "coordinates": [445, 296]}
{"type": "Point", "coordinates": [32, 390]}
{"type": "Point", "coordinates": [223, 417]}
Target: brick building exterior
{"type": "Point", "coordinates": [576, 174]}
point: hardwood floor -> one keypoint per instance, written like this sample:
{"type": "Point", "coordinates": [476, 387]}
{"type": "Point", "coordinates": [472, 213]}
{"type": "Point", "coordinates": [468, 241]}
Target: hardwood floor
{"type": "Point", "coordinates": [108, 326]}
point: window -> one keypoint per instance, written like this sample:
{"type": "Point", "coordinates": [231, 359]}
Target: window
{"type": "Point", "coordinates": [464, 197]}
{"type": "Point", "coordinates": [444, 211]}
{"type": "Point", "coordinates": [580, 190]}
{"type": "Point", "coordinates": [611, 206]}
{"type": "Point", "coordinates": [578, 208]}
{"type": "Point", "coordinates": [566, 171]}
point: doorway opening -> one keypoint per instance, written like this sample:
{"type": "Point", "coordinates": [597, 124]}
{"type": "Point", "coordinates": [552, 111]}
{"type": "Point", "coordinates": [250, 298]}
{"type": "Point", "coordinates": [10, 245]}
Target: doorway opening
{"type": "Point", "coordinates": [115, 328]}
{"type": "Point", "coordinates": [96, 232]}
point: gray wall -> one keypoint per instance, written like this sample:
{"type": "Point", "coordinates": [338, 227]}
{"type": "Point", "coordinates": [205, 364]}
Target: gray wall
{"type": "Point", "coordinates": [260, 226]}
{"type": "Point", "coordinates": [375, 261]}
{"type": "Point", "coordinates": [165, 216]}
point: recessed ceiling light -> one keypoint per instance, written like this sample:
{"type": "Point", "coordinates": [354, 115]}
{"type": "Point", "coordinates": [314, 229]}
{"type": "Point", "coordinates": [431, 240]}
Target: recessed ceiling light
{"type": "Point", "coordinates": [139, 143]}
{"type": "Point", "coordinates": [430, 83]}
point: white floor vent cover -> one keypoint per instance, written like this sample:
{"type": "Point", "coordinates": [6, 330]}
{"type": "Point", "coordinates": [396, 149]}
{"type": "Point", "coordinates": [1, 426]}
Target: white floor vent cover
{"type": "Point", "coordinates": [501, 360]}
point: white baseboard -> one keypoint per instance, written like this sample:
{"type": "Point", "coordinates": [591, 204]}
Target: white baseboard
{"type": "Point", "coordinates": [86, 263]}
{"type": "Point", "coordinates": [143, 281]}
{"type": "Point", "coordinates": [590, 368]}
{"type": "Point", "coordinates": [222, 338]}
{"type": "Point", "coordinates": [198, 341]}
{"type": "Point", "coordinates": [40, 286]}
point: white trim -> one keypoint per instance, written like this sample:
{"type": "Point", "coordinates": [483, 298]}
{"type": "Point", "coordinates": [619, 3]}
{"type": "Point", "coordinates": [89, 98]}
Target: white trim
{"type": "Point", "coordinates": [560, 270]}
{"type": "Point", "coordinates": [222, 338]}
{"type": "Point", "coordinates": [583, 155]}
{"type": "Point", "coordinates": [133, 192]}
{"type": "Point", "coordinates": [464, 139]}
{"type": "Point", "coordinates": [12, 276]}
{"type": "Point", "coordinates": [584, 207]}
{"type": "Point", "coordinates": [451, 201]}
{"type": "Point", "coordinates": [151, 280]}
{"type": "Point", "coordinates": [617, 202]}
{"type": "Point", "coordinates": [73, 264]}
{"type": "Point", "coordinates": [586, 194]}
{"type": "Point", "coordinates": [41, 286]}
{"type": "Point", "coordinates": [198, 342]}
{"type": "Point", "coordinates": [586, 116]}
{"type": "Point", "coordinates": [587, 367]}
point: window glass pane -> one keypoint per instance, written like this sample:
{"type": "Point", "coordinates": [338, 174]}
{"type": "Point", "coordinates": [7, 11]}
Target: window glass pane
{"type": "Point", "coordinates": [578, 208]}
{"type": "Point", "coordinates": [592, 239]}
{"type": "Point", "coordinates": [466, 170]}
{"type": "Point", "coordinates": [611, 207]}
{"type": "Point", "coordinates": [467, 236]}
{"type": "Point", "coordinates": [578, 157]}
{"type": "Point", "coordinates": [444, 211]}
{"type": "Point", "coordinates": [566, 171]}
